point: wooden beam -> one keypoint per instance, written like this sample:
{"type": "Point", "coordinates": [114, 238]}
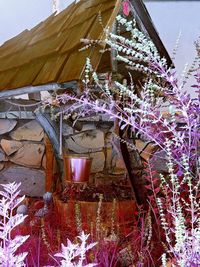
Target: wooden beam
{"type": "Point", "coordinates": [51, 129]}
{"type": "Point", "coordinates": [49, 181]}
{"type": "Point", "coordinates": [34, 89]}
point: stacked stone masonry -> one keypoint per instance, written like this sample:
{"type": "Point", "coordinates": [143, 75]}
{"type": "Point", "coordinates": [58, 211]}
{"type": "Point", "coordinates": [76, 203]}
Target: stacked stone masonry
{"type": "Point", "coordinates": [23, 158]}
{"type": "Point", "coordinates": [22, 152]}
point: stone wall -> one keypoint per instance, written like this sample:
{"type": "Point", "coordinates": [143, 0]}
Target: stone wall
{"type": "Point", "coordinates": [96, 140]}
{"type": "Point", "coordinates": [22, 155]}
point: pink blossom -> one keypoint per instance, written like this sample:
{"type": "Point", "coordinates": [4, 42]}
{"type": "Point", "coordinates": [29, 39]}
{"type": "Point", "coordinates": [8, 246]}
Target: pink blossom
{"type": "Point", "coordinates": [126, 8]}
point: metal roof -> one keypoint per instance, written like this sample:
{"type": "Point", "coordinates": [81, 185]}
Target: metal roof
{"type": "Point", "coordinates": [49, 53]}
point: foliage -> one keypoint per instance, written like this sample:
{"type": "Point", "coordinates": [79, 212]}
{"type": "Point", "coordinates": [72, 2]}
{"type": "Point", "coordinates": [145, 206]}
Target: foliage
{"type": "Point", "coordinates": [182, 221]}
{"type": "Point", "coordinates": [8, 245]}
{"type": "Point", "coordinates": [74, 255]}
{"type": "Point", "coordinates": [162, 112]}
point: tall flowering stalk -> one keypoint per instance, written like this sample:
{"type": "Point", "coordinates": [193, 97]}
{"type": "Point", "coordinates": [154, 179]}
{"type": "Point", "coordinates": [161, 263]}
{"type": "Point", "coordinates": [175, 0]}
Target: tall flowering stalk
{"type": "Point", "coordinates": [161, 111]}
{"type": "Point", "coordinates": [161, 103]}
{"type": "Point", "coordinates": [74, 255]}
{"type": "Point", "coordinates": [182, 223]}
{"type": "Point", "coordinates": [8, 221]}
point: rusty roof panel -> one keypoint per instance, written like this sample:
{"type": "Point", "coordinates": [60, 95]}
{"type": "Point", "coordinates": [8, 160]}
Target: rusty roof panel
{"type": "Point", "coordinates": [74, 71]}
{"type": "Point", "coordinates": [6, 77]}
{"type": "Point", "coordinates": [15, 45]}
{"type": "Point", "coordinates": [51, 70]}
{"type": "Point", "coordinates": [71, 70]}
{"type": "Point", "coordinates": [46, 47]}
{"type": "Point", "coordinates": [48, 32]}
{"type": "Point", "coordinates": [52, 29]}
{"type": "Point", "coordinates": [49, 51]}
{"type": "Point", "coordinates": [76, 33]}
{"type": "Point", "coordinates": [26, 74]}
{"type": "Point", "coordinates": [97, 2]}
{"type": "Point", "coordinates": [80, 18]}
{"type": "Point", "coordinates": [90, 11]}
{"type": "Point", "coordinates": [20, 41]}
{"type": "Point", "coordinates": [96, 30]}
{"type": "Point", "coordinates": [66, 12]}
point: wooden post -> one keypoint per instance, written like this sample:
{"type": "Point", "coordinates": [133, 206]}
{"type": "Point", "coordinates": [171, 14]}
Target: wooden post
{"type": "Point", "coordinates": [50, 180]}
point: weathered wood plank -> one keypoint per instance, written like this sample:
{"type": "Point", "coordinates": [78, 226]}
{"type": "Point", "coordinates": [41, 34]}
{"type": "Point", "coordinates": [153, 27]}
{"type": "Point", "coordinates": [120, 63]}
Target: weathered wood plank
{"type": "Point", "coordinates": [52, 131]}
{"type": "Point", "coordinates": [49, 181]}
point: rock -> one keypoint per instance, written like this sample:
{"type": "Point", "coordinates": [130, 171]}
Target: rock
{"type": "Point", "coordinates": [7, 125]}
{"type": "Point", "coordinates": [72, 146]}
{"type": "Point", "coordinates": [2, 155]}
{"type": "Point", "coordinates": [2, 164]}
{"type": "Point", "coordinates": [88, 127]}
{"type": "Point", "coordinates": [148, 151]}
{"type": "Point", "coordinates": [67, 130]}
{"type": "Point", "coordinates": [159, 162]}
{"type": "Point", "coordinates": [92, 141]}
{"type": "Point", "coordinates": [106, 117]}
{"type": "Point", "coordinates": [97, 162]}
{"type": "Point", "coordinates": [29, 155]}
{"type": "Point", "coordinates": [30, 131]}
{"type": "Point", "coordinates": [10, 146]}
{"type": "Point", "coordinates": [32, 181]}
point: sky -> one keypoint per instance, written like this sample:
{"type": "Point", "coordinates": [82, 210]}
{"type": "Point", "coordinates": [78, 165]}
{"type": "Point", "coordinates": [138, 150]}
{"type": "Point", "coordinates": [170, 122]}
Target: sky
{"type": "Point", "coordinates": [169, 18]}
{"type": "Point", "coordinates": [18, 15]}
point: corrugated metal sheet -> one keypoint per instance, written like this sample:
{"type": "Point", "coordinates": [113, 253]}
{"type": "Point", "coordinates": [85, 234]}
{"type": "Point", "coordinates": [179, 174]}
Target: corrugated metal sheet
{"type": "Point", "coordinates": [75, 64]}
{"type": "Point", "coordinates": [50, 51]}
{"type": "Point", "coordinates": [51, 69]}
{"type": "Point", "coordinates": [26, 74]}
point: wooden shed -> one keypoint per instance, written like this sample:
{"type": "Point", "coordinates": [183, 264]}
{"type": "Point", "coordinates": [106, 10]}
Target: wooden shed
{"type": "Point", "coordinates": [48, 58]}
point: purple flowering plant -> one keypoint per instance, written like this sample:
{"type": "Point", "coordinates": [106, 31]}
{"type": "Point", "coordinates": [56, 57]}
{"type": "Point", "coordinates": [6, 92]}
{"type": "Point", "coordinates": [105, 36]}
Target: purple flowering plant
{"type": "Point", "coordinates": [164, 113]}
